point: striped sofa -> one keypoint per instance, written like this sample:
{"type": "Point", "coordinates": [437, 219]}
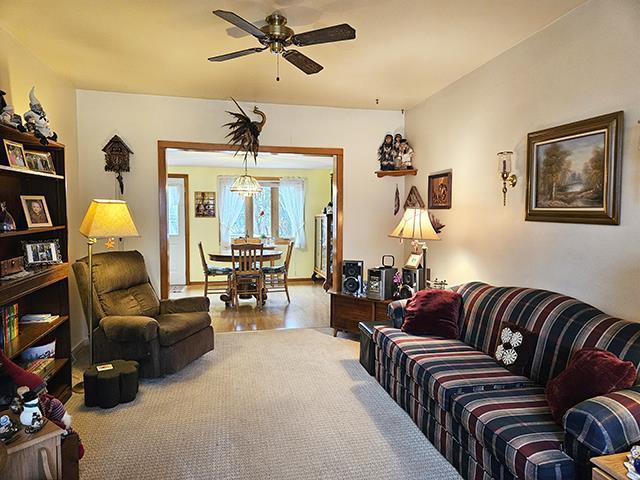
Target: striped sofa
{"type": "Point", "coordinates": [490, 423]}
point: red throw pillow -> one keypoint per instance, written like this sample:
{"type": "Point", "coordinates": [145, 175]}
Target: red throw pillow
{"type": "Point", "coordinates": [433, 312]}
{"type": "Point", "coordinates": [590, 373]}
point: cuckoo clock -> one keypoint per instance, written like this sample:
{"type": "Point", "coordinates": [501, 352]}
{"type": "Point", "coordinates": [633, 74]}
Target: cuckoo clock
{"type": "Point", "coordinates": [116, 158]}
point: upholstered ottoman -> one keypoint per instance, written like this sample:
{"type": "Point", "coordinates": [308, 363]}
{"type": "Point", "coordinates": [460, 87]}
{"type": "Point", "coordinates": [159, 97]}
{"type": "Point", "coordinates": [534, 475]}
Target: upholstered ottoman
{"type": "Point", "coordinates": [107, 388]}
{"type": "Point", "coordinates": [367, 347]}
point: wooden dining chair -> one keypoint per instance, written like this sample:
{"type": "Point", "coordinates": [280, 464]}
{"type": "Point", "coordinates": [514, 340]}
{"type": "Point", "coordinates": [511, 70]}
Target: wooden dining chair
{"type": "Point", "coordinates": [247, 277]}
{"type": "Point", "coordinates": [214, 271]}
{"type": "Point", "coordinates": [276, 277]}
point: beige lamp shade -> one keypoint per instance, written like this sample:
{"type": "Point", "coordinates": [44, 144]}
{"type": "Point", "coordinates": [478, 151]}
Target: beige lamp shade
{"type": "Point", "coordinates": [415, 225]}
{"type": "Point", "coordinates": [108, 218]}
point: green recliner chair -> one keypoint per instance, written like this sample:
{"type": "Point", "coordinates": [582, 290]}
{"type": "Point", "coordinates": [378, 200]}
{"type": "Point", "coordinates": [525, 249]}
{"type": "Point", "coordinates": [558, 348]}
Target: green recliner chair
{"type": "Point", "coordinates": [130, 322]}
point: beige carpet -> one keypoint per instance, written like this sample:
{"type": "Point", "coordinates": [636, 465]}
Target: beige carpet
{"type": "Point", "coordinates": [276, 405]}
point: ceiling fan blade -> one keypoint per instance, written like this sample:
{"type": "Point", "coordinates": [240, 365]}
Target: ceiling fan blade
{"type": "Point", "coordinates": [301, 61]}
{"type": "Point", "coordinates": [337, 33]}
{"type": "Point", "coordinates": [240, 23]}
{"type": "Point", "coordinates": [239, 53]}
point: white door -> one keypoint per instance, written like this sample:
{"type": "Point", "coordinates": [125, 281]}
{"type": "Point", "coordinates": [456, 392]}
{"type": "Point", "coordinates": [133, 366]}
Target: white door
{"type": "Point", "coordinates": [176, 230]}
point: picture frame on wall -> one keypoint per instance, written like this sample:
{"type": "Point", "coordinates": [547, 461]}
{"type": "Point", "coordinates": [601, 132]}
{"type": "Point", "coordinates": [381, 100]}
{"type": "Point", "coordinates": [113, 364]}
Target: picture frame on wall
{"type": "Point", "coordinates": [439, 190]}
{"type": "Point", "coordinates": [15, 154]}
{"type": "Point", "coordinates": [36, 211]}
{"type": "Point", "coordinates": [414, 199]}
{"type": "Point", "coordinates": [40, 161]}
{"type": "Point", "coordinates": [41, 253]}
{"type": "Point", "coordinates": [574, 172]}
{"type": "Point", "coordinates": [205, 204]}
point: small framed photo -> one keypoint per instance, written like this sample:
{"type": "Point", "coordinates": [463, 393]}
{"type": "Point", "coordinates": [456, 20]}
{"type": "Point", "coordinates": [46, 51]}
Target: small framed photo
{"type": "Point", "coordinates": [36, 211]}
{"type": "Point", "coordinates": [40, 253]}
{"type": "Point", "coordinates": [15, 154]}
{"type": "Point", "coordinates": [440, 190]}
{"type": "Point", "coordinates": [39, 161]}
{"type": "Point", "coordinates": [205, 204]}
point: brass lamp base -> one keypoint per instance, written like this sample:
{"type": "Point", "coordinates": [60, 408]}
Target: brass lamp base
{"type": "Point", "coordinates": [78, 388]}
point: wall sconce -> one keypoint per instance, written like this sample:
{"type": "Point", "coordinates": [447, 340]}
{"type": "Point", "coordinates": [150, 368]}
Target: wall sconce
{"type": "Point", "coordinates": [504, 166]}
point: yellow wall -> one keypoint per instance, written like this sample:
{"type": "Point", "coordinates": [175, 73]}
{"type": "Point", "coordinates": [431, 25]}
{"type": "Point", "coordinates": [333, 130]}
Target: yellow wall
{"type": "Point", "coordinates": [207, 230]}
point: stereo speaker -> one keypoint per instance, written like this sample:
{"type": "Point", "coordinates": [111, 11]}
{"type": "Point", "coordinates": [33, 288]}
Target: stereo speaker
{"type": "Point", "coordinates": [414, 278]}
{"type": "Point", "coordinates": [352, 271]}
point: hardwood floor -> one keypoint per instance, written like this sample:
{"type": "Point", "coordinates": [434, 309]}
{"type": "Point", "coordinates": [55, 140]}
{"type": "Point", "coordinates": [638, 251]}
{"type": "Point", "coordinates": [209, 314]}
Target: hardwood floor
{"type": "Point", "coordinates": [309, 308]}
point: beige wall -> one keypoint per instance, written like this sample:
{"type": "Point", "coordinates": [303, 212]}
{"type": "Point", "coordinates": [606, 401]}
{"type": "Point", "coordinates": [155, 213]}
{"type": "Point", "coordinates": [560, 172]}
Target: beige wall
{"type": "Point", "coordinates": [585, 64]}
{"type": "Point", "coordinates": [207, 230]}
{"type": "Point", "coordinates": [19, 71]}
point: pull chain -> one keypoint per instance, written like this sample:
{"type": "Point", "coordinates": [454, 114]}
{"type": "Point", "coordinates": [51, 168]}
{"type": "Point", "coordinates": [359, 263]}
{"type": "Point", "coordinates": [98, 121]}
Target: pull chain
{"type": "Point", "coordinates": [277, 67]}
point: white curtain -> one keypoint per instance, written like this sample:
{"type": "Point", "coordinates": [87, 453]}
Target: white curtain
{"type": "Point", "coordinates": [230, 206]}
{"type": "Point", "coordinates": [292, 194]}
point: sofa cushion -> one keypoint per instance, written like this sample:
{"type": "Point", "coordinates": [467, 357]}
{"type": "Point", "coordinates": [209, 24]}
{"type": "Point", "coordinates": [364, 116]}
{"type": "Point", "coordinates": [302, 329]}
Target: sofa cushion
{"type": "Point", "coordinates": [592, 372]}
{"type": "Point", "coordinates": [433, 312]}
{"type": "Point", "coordinates": [175, 327]}
{"type": "Point", "coordinates": [516, 426]}
{"type": "Point", "coordinates": [444, 368]}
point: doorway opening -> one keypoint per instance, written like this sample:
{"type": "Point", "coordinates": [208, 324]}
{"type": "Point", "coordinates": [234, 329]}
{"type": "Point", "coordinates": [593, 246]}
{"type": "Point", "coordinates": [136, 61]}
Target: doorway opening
{"type": "Point", "coordinates": [273, 215]}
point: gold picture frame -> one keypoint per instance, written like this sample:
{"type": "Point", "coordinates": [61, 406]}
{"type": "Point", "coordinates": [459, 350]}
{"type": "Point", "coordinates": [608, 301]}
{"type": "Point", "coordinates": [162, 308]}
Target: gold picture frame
{"type": "Point", "coordinates": [39, 161]}
{"type": "Point", "coordinates": [15, 154]}
{"type": "Point", "coordinates": [36, 211]}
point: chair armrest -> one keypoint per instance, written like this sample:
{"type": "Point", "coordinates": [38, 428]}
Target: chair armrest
{"type": "Point", "coordinates": [608, 423]}
{"type": "Point", "coordinates": [129, 328]}
{"type": "Point", "coordinates": [395, 312]}
{"type": "Point", "coordinates": [185, 305]}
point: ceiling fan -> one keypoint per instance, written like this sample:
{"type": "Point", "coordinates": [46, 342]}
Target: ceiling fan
{"type": "Point", "coordinates": [277, 37]}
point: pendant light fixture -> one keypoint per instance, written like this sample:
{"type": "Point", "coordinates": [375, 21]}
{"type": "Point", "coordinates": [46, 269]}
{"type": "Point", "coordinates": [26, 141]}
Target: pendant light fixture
{"type": "Point", "coordinates": [246, 185]}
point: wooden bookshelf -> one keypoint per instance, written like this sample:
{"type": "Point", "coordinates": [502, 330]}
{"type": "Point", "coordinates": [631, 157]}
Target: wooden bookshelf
{"type": "Point", "coordinates": [396, 173]}
{"type": "Point", "coordinates": [44, 290]}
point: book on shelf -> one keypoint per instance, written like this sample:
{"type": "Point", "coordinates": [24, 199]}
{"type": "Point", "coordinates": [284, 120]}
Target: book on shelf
{"type": "Point", "coordinates": [43, 367]}
{"type": "Point", "coordinates": [38, 318]}
{"type": "Point", "coordinates": [9, 319]}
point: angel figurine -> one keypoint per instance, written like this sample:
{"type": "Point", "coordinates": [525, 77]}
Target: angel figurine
{"type": "Point", "coordinates": [386, 153]}
{"type": "Point", "coordinates": [37, 122]}
{"type": "Point", "coordinates": [405, 154]}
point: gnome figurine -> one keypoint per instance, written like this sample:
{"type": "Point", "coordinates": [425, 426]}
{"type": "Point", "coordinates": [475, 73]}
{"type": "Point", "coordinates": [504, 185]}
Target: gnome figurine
{"type": "Point", "coordinates": [36, 120]}
{"type": "Point", "coordinates": [8, 116]}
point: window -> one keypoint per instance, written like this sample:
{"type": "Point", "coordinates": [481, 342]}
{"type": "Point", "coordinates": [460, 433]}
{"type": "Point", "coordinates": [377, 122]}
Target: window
{"type": "Point", "coordinates": [173, 210]}
{"type": "Point", "coordinates": [277, 212]}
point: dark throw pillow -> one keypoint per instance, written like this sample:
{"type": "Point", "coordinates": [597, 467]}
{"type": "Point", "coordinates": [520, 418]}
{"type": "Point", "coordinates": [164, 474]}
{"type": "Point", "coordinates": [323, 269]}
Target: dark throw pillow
{"type": "Point", "coordinates": [433, 312]}
{"type": "Point", "coordinates": [590, 373]}
{"type": "Point", "coordinates": [516, 348]}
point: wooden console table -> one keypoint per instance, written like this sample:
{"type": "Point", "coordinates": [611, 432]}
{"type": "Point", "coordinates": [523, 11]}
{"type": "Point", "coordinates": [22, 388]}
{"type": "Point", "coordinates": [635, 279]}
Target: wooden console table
{"type": "Point", "coordinates": [347, 311]}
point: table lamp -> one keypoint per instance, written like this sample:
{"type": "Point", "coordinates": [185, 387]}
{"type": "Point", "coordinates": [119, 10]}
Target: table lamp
{"type": "Point", "coordinates": [416, 225]}
{"type": "Point", "coordinates": [104, 219]}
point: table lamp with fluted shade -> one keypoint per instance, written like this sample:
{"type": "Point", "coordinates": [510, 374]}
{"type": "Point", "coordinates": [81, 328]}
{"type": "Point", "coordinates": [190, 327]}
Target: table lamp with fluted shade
{"type": "Point", "coordinates": [416, 226]}
{"type": "Point", "coordinates": [104, 219]}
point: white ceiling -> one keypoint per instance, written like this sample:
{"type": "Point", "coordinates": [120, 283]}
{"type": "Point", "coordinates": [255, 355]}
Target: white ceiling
{"type": "Point", "coordinates": [405, 50]}
{"type": "Point", "coordinates": [190, 158]}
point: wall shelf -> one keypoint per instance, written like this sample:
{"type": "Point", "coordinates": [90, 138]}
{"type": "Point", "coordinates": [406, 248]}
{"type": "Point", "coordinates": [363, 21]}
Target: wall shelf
{"type": "Point", "coordinates": [396, 173]}
{"type": "Point", "coordinates": [24, 171]}
{"type": "Point", "coordinates": [31, 231]}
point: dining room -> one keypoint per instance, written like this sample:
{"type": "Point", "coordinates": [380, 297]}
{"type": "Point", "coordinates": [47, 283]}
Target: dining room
{"type": "Point", "coordinates": [264, 258]}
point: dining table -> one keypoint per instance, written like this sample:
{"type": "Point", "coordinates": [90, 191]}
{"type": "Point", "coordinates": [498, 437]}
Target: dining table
{"type": "Point", "coordinates": [269, 254]}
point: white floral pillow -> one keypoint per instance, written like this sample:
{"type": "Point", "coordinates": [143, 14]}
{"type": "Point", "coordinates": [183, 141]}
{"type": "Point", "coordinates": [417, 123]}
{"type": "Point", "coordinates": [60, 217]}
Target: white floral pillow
{"type": "Point", "coordinates": [516, 348]}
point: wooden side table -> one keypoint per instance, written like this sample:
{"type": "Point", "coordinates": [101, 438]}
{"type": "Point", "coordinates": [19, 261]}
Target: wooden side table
{"type": "Point", "coordinates": [36, 456]}
{"type": "Point", "coordinates": [347, 311]}
{"type": "Point", "coordinates": [609, 467]}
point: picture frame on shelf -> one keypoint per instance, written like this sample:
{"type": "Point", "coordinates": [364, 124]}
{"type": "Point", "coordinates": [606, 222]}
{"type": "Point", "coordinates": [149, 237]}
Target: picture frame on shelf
{"type": "Point", "coordinates": [40, 161]}
{"type": "Point", "coordinates": [15, 154]}
{"type": "Point", "coordinates": [36, 211]}
{"type": "Point", "coordinates": [41, 253]}
{"type": "Point", "coordinates": [439, 190]}
{"type": "Point", "coordinates": [574, 172]}
{"type": "Point", "coordinates": [205, 204]}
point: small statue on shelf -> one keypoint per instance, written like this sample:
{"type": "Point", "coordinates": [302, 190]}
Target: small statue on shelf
{"type": "Point", "coordinates": [8, 116]}
{"type": "Point", "coordinates": [405, 154]}
{"type": "Point", "coordinates": [386, 153]}
{"type": "Point", "coordinates": [7, 223]}
{"type": "Point", "coordinates": [37, 122]}
{"type": "Point", "coordinates": [7, 429]}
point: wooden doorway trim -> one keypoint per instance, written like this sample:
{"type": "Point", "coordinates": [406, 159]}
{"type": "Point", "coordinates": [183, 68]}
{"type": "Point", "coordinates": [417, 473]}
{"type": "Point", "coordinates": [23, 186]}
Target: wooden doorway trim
{"type": "Point", "coordinates": [338, 197]}
{"type": "Point", "coordinates": [187, 225]}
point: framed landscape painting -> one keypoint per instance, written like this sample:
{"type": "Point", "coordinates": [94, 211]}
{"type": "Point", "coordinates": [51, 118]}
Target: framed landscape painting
{"type": "Point", "coordinates": [574, 172]}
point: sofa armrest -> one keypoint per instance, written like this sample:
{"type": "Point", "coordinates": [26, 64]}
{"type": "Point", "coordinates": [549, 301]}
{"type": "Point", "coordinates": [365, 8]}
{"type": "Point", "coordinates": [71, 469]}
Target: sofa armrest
{"type": "Point", "coordinates": [185, 305]}
{"type": "Point", "coordinates": [608, 423]}
{"type": "Point", "coordinates": [129, 328]}
{"type": "Point", "coordinates": [395, 312]}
